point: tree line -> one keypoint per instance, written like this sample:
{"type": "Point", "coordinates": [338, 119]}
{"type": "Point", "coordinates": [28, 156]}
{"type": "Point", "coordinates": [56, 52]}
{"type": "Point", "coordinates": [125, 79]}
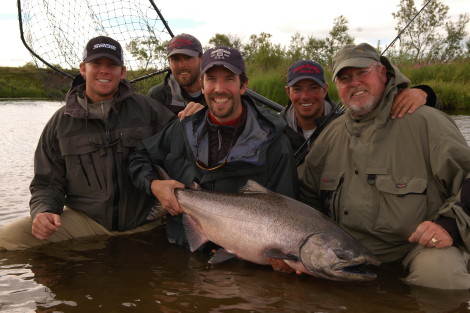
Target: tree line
{"type": "Point", "coordinates": [431, 37]}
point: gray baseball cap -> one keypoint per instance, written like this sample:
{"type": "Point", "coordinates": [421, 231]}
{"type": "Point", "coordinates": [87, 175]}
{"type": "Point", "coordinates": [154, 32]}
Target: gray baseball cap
{"type": "Point", "coordinates": [361, 55]}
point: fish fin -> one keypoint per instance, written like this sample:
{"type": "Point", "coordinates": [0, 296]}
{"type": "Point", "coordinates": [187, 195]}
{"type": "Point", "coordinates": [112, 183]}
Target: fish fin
{"type": "Point", "coordinates": [253, 187]}
{"type": "Point", "coordinates": [195, 238]}
{"type": "Point", "coordinates": [221, 255]}
{"type": "Point", "coordinates": [278, 254]}
{"type": "Point", "coordinates": [156, 212]}
{"type": "Point", "coordinates": [195, 186]}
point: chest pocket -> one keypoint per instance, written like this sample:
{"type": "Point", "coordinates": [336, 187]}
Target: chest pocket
{"type": "Point", "coordinates": [402, 204]}
{"type": "Point", "coordinates": [330, 192]}
{"type": "Point", "coordinates": [84, 165]}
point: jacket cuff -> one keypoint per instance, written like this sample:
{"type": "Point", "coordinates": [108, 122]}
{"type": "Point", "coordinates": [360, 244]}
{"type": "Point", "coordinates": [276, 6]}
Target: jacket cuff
{"type": "Point", "coordinates": [450, 225]}
{"type": "Point", "coordinates": [148, 182]}
{"type": "Point", "coordinates": [431, 100]}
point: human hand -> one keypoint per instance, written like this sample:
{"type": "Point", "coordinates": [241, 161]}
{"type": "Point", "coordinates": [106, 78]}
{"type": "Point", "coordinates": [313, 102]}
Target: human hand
{"type": "Point", "coordinates": [190, 109]}
{"type": "Point", "coordinates": [45, 224]}
{"type": "Point", "coordinates": [281, 266]}
{"type": "Point", "coordinates": [407, 101]}
{"type": "Point", "coordinates": [431, 235]}
{"type": "Point", "coordinates": [164, 191]}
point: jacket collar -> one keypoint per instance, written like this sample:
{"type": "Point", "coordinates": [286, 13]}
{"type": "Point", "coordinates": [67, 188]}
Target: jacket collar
{"type": "Point", "coordinates": [75, 96]}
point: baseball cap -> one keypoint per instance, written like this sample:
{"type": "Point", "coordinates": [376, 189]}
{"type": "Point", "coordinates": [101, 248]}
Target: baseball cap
{"type": "Point", "coordinates": [103, 46]}
{"type": "Point", "coordinates": [184, 44]}
{"type": "Point", "coordinates": [306, 69]}
{"type": "Point", "coordinates": [224, 56]}
{"type": "Point", "coordinates": [361, 55]}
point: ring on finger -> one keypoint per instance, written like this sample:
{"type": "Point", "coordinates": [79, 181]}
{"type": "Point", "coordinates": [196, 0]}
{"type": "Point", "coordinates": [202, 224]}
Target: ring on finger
{"type": "Point", "coordinates": [435, 241]}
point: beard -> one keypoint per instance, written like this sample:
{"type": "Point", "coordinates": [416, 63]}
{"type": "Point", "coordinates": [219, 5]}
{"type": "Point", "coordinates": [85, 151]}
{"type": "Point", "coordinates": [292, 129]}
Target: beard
{"type": "Point", "coordinates": [360, 108]}
{"type": "Point", "coordinates": [186, 81]}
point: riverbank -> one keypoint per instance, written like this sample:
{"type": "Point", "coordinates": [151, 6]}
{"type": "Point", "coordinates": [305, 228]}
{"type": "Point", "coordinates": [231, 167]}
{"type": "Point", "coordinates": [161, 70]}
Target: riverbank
{"type": "Point", "coordinates": [449, 81]}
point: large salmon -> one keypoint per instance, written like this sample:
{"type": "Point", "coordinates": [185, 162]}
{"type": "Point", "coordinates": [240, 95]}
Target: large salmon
{"type": "Point", "coordinates": [258, 223]}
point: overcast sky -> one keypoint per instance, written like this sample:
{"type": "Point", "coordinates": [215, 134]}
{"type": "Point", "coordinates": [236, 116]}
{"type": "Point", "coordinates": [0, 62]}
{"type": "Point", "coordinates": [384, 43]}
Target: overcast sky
{"type": "Point", "coordinates": [369, 20]}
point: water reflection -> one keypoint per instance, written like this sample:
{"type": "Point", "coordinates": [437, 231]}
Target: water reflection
{"type": "Point", "coordinates": [144, 272]}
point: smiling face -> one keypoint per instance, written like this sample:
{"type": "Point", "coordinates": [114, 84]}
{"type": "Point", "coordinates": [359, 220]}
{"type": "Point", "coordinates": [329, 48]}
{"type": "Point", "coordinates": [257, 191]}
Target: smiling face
{"type": "Point", "coordinates": [223, 92]}
{"type": "Point", "coordinates": [364, 88]}
{"type": "Point", "coordinates": [307, 98]}
{"type": "Point", "coordinates": [185, 70]}
{"type": "Point", "coordinates": [102, 78]}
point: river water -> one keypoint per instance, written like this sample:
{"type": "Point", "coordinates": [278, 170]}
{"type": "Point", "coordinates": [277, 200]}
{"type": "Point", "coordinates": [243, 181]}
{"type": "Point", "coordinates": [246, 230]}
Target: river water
{"type": "Point", "coordinates": [143, 273]}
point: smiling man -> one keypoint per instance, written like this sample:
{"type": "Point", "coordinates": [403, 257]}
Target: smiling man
{"type": "Point", "coordinates": [181, 88]}
{"type": "Point", "coordinates": [80, 185]}
{"type": "Point", "coordinates": [401, 187]}
{"type": "Point", "coordinates": [221, 147]}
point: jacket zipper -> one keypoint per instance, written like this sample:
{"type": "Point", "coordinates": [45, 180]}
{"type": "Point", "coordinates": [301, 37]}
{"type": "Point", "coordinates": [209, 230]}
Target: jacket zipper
{"type": "Point", "coordinates": [94, 170]}
{"type": "Point", "coordinates": [79, 158]}
{"type": "Point", "coordinates": [115, 219]}
{"type": "Point", "coordinates": [336, 201]}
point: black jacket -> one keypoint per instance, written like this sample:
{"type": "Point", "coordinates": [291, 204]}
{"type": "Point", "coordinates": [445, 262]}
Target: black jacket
{"type": "Point", "coordinates": [81, 160]}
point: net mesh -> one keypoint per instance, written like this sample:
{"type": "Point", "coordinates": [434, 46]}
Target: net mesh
{"type": "Point", "coordinates": [56, 32]}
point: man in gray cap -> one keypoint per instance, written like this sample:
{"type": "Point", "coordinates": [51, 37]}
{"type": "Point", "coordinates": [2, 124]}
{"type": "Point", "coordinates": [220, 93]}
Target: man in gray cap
{"type": "Point", "coordinates": [222, 146]}
{"type": "Point", "coordinates": [181, 89]}
{"type": "Point", "coordinates": [80, 186]}
{"type": "Point", "coordinates": [399, 187]}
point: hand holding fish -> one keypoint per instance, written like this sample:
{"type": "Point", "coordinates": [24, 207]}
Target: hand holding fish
{"type": "Point", "coordinates": [281, 266]}
{"type": "Point", "coordinates": [431, 235]}
{"type": "Point", "coordinates": [164, 191]}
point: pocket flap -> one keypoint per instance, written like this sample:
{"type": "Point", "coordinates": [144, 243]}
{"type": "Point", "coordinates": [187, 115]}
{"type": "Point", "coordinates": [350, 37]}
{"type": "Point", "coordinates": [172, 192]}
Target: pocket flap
{"type": "Point", "coordinates": [132, 136]}
{"type": "Point", "coordinates": [401, 185]}
{"type": "Point", "coordinates": [76, 145]}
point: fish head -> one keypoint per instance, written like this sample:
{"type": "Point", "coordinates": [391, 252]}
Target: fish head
{"type": "Point", "coordinates": [336, 256]}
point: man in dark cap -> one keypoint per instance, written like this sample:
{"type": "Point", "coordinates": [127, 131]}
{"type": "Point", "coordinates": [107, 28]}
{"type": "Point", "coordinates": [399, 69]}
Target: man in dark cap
{"type": "Point", "coordinates": [399, 187]}
{"type": "Point", "coordinates": [181, 89]}
{"type": "Point", "coordinates": [228, 142]}
{"type": "Point", "coordinates": [80, 185]}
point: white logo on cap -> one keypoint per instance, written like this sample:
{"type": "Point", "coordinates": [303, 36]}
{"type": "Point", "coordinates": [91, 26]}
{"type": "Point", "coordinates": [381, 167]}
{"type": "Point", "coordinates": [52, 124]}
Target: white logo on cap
{"type": "Point", "coordinates": [104, 45]}
{"type": "Point", "coordinates": [220, 54]}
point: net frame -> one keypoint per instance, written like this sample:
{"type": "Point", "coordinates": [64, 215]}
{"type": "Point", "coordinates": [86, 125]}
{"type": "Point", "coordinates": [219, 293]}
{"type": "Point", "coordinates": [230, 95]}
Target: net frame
{"type": "Point", "coordinates": [55, 32]}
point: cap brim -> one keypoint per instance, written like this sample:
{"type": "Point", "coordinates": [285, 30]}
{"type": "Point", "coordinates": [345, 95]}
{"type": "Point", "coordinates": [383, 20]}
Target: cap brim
{"type": "Point", "coordinates": [352, 62]}
{"type": "Point", "coordinates": [297, 79]}
{"type": "Point", "coordinates": [103, 55]}
{"type": "Point", "coordinates": [232, 68]}
{"type": "Point", "coordinates": [190, 52]}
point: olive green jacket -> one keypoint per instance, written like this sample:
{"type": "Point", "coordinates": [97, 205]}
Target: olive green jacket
{"type": "Point", "coordinates": [380, 178]}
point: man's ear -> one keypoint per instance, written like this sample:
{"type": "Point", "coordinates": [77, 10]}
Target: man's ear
{"type": "Point", "coordinates": [123, 72]}
{"type": "Point", "coordinates": [244, 87]}
{"type": "Point", "coordinates": [83, 69]}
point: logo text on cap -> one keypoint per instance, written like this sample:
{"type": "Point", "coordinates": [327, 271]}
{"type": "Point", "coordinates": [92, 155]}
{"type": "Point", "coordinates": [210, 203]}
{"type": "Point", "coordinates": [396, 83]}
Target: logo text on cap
{"type": "Point", "coordinates": [220, 54]}
{"type": "Point", "coordinates": [307, 68]}
{"type": "Point", "coordinates": [104, 45]}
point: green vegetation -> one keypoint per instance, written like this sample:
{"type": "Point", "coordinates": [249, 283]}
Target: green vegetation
{"type": "Point", "coordinates": [449, 80]}
{"type": "Point", "coordinates": [432, 51]}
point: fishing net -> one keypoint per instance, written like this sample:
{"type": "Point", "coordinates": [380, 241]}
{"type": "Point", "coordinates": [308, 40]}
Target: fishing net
{"type": "Point", "coordinates": [56, 32]}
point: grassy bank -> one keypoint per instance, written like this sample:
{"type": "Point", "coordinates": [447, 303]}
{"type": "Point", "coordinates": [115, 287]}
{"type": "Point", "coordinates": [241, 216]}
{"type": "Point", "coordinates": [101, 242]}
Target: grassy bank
{"type": "Point", "coordinates": [451, 82]}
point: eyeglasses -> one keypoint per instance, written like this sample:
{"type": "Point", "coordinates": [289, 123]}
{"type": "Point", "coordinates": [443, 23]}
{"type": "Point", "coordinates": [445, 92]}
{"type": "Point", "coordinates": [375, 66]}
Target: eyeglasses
{"type": "Point", "coordinates": [200, 164]}
{"type": "Point", "coordinates": [346, 79]}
